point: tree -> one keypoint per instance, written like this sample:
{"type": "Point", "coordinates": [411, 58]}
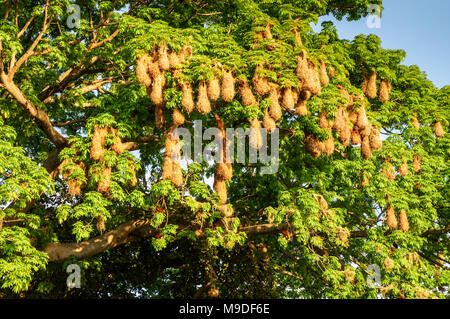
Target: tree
{"type": "Point", "coordinates": [88, 109]}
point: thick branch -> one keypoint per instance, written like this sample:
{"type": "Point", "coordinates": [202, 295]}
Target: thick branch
{"type": "Point", "coordinates": [34, 111]}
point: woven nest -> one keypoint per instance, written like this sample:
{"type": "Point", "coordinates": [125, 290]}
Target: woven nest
{"type": "Point", "coordinates": [438, 130]}
{"type": "Point", "coordinates": [275, 109]}
{"type": "Point", "coordinates": [391, 220]}
{"type": "Point", "coordinates": [177, 174]}
{"type": "Point", "coordinates": [269, 123]}
{"type": "Point", "coordinates": [213, 89]}
{"type": "Point", "coordinates": [163, 59]}
{"type": "Point", "coordinates": [260, 83]}
{"type": "Point", "coordinates": [98, 141]}
{"type": "Point", "coordinates": [248, 99]}
{"type": "Point", "coordinates": [324, 79]}
{"type": "Point", "coordinates": [224, 171]}
{"type": "Point", "coordinates": [343, 234]}
{"type": "Point", "coordinates": [339, 122]}
{"type": "Point", "coordinates": [403, 169]}
{"type": "Point", "coordinates": [267, 32]}
{"type": "Point", "coordinates": [366, 150]}
{"type": "Point", "coordinates": [417, 164]}
{"type": "Point", "coordinates": [323, 121]}
{"type": "Point", "coordinates": [177, 117]}
{"type": "Point", "coordinates": [365, 180]}
{"type": "Point", "coordinates": [156, 94]}
{"type": "Point", "coordinates": [255, 137]}
{"type": "Point", "coordinates": [313, 146]}
{"type": "Point", "coordinates": [328, 146]}
{"type": "Point", "coordinates": [389, 171]}
{"type": "Point", "coordinates": [403, 221]}
{"type": "Point", "coordinates": [142, 64]}
{"type": "Point", "coordinates": [228, 91]}
{"type": "Point", "coordinates": [371, 90]}
{"type": "Point", "coordinates": [307, 73]}
{"type": "Point", "coordinates": [388, 263]}
{"type": "Point", "coordinates": [160, 120]}
{"type": "Point", "coordinates": [301, 107]}
{"type": "Point", "coordinates": [187, 102]}
{"type": "Point", "coordinates": [203, 104]}
{"type": "Point", "coordinates": [105, 180]}
{"type": "Point", "coordinates": [375, 140]}
{"type": "Point", "coordinates": [74, 187]}
{"type": "Point", "coordinates": [415, 123]}
{"type": "Point", "coordinates": [220, 187]}
{"type": "Point", "coordinates": [174, 60]}
{"type": "Point", "coordinates": [384, 91]}
{"type": "Point", "coordinates": [362, 122]}
{"type": "Point", "coordinates": [355, 136]}
{"type": "Point", "coordinates": [288, 100]}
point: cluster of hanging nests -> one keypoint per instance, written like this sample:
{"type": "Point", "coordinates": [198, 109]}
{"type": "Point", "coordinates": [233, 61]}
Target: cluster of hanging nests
{"type": "Point", "coordinates": [104, 174]}
{"type": "Point", "coordinates": [350, 122]}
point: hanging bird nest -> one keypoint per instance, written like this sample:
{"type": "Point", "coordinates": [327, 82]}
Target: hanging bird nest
{"type": "Point", "coordinates": [371, 90]}
{"type": "Point", "coordinates": [366, 150]}
{"type": "Point", "coordinates": [260, 82]}
{"type": "Point", "coordinates": [301, 107]}
{"type": "Point", "coordinates": [203, 104]}
{"type": "Point", "coordinates": [220, 187]}
{"type": "Point", "coordinates": [389, 171]}
{"type": "Point", "coordinates": [288, 98]}
{"type": "Point", "coordinates": [365, 180]}
{"type": "Point", "coordinates": [313, 146]}
{"type": "Point", "coordinates": [214, 89]}
{"type": "Point", "coordinates": [269, 123]}
{"type": "Point", "coordinates": [98, 141]}
{"type": "Point", "coordinates": [355, 136]}
{"type": "Point", "coordinates": [275, 110]}
{"type": "Point", "coordinates": [255, 134]}
{"type": "Point", "coordinates": [343, 235]}
{"type": "Point", "coordinates": [388, 263]}
{"type": "Point", "coordinates": [156, 93]}
{"type": "Point", "coordinates": [417, 164]}
{"type": "Point", "coordinates": [248, 99]}
{"type": "Point", "coordinates": [403, 221]}
{"type": "Point", "coordinates": [403, 169]}
{"type": "Point", "coordinates": [362, 122]}
{"type": "Point", "coordinates": [415, 123]}
{"type": "Point", "coordinates": [375, 140]}
{"type": "Point", "coordinates": [324, 79]}
{"type": "Point", "coordinates": [187, 101]}
{"type": "Point", "coordinates": [228, 90]}
{"type": "Point", "coordinates": [323, 120]}
{"type": "Point", "coordinates": [142, 67]}
{"type": "Point", "coordinates": [105, 181]}
{"type": "Point", "coordinates": [391, 219]}
{"type": "Point", "coordinates": [177, 117]}
{"type": "Point", "coordinates": [438, 130]}
{"type": "Point", "coordinates": [384, 91]}
{"type": "Point", "coordinates": [174, 60]}
{"type": "Point", "coordinates": [163, 59]}
{"type": "Point", "coordinates": [328, 146]}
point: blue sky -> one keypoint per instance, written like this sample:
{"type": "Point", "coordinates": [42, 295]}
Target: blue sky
{"type": "Point", "coordinates": [421, 28]}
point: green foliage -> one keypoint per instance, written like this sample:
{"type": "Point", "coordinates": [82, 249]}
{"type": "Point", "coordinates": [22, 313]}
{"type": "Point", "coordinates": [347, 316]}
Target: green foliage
{"type": "Point", "coordinates": [328, 227]}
